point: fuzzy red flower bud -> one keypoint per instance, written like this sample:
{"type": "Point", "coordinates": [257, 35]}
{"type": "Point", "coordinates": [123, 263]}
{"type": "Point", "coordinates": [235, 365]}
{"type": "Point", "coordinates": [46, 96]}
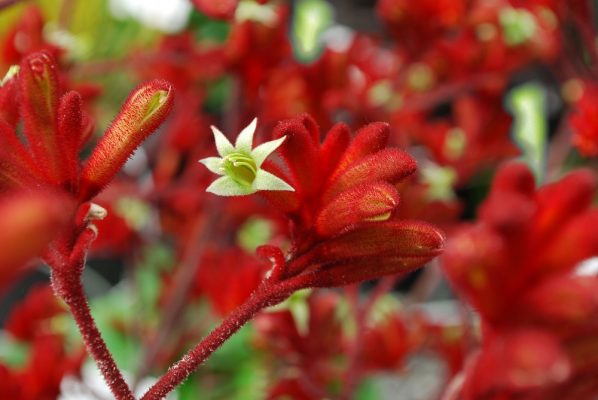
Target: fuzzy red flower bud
{"type": "Point", "coordinates": [390, 238]}
{"type": "Point", "coordinates": [70, 130]}
{"type": "Point", "coordinates": [368, 140]}
{"type": "Point", "coordinates": [16, 165]}
{"type": "Point", "coordinates": [334, 146]}
{"type": "Point", "coordinates": [144, 110]}
{"type": "Point", "coordinates": [38, 81]}
{"type": "Point", "coordinates": [390, 165]}
{"type": "Point", "coordinates": [366, 202]}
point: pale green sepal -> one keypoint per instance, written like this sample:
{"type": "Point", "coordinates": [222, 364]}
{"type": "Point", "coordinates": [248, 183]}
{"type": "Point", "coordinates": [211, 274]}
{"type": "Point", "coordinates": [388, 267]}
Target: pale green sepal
{"type": "Point", "coordinates": [11, 73]}
{"type": "Point", "coordinates": [261, 152]}
{"type": "Point", "coordinates": [225, 186]}
{"type": "Point", "coordinates": [214, 164]}
{"type": "Point", "coordinates": [266, 181]}
{"type": "Point", "coordinates": [223, 145]}
{"type": "Point", "coordinates": [244, 141]}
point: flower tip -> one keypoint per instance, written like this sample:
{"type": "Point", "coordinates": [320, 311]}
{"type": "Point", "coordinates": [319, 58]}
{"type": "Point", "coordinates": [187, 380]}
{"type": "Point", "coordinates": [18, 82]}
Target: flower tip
{"type": "Point", "coordinates": [11, 73]}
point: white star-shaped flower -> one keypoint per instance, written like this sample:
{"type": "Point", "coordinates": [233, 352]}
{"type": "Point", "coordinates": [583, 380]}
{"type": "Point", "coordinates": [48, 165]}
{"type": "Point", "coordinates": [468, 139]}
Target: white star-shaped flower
{"type": "Point", "coordinates": [240, 165]}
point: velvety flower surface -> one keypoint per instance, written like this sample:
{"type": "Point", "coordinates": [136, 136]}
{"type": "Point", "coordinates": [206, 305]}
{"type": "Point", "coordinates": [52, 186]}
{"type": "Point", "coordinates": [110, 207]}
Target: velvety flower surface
{"type": "Point", "coordinates": [47, 163]}
{"type": "Point", "coordinates": [343, 205]}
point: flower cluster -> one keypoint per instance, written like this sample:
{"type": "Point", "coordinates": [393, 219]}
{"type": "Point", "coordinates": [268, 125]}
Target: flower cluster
{"type": "Point", "coordinates": [314, 196]}
{"type": "Point", "coordinates": [523, 255]}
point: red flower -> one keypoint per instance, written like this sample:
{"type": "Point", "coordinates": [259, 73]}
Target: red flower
{"type": "Point", "coordinates": [307, 358]}
{"type": "Point", "coordinates": [584, 120]}
{"type": "Point", "coordinates": [26, 37]}
{"type": "Point", "coordinates": [342, 207]}
{"type": "Point", "coordinates": [228, 277]}
{"type": "Point", "coordinates": [28, 221]}
{"type": "Point", "coordinates": [521, 256]}
{"type": "Point", "coordinates": [27, 319]}
{"type": "Point", "coordinates": [56, 128]}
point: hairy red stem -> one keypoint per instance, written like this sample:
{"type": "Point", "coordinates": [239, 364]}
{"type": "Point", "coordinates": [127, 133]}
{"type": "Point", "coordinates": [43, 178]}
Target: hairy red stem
{"type": "Point", "coordinates": [66, 282]}
{"type": "Point", "coordinates": [267, 295]}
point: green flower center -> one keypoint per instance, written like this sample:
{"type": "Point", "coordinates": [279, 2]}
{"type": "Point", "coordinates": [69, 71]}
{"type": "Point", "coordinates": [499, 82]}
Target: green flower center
{"type": "Point", "coordinates": [240, 168]}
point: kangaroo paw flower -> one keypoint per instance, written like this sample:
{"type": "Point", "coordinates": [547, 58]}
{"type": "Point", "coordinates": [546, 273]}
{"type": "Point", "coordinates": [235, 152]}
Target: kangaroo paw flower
{"type": "Point", "coordinates": [240, 165]}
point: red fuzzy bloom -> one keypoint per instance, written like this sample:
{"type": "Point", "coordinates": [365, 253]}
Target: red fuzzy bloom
{"type": "Point", "coordinates": [56, 128]}
{"type": "Point", "coordinates": [344, 200]}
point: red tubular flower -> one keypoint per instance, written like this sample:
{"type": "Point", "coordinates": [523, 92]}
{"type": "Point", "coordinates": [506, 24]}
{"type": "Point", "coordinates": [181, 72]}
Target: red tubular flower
{"type": "Point", "coordinates": [343, 202]}
{"type": "Point", "coordinates": [56, 128]}
{"type": "Point", "coordinates": [522, 256]}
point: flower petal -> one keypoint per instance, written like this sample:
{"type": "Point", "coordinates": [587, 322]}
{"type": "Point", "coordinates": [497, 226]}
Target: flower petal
{"type": "Point", "coordinates": [389, 239]}
{"type": "Point", "coordinates": [223, 145]}
{"type": "Point", "coordinates": [266, 181]}
{"type": "Point", "coordinates": [214, 164]}
{"type": "Point", "coordinates": [390, 165]}
{"type": "Point", "coordinates": [244, 141]}
{"type": "Point", "coordinates": [225, 186]}
{"type": "Point", "coordinates": [357, 204]}
{"type": "Point", "coordinates": [261, 152]}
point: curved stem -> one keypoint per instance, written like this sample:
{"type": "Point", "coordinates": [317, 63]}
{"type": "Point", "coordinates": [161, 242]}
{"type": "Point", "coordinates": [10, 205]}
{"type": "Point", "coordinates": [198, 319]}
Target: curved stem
{"type": "Point", "coordinates": [263, 297]}
{"type": "Point", "coordinates": [66, 282]}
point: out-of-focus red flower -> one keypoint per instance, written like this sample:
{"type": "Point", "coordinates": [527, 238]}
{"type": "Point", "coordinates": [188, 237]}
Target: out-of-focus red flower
{"type": "Point", "coordinates": [416, 24]}
{"type": "Point", "coordinates": [584, 120]}
{"type": "Point", "coordinates": [29, 318]}
{"type": "Point", "coordinates": [38, 382]}
{"type": "Point", "coordinates": [473, 135]}
{"type": "Point", "coordinates": [26, 37]}
{"type": "Point", "coordinates": [28, 222]}
{"type": "Point", "coordinates": [521, 256]}
{"type": "Point", "coordinates": [311, 357]}
{"type": "Point", "coordinates": [255, 49]}
{"type": "Point", "coordinates": [48, 361]}
{"type": "Point", "coordinates": [386, 344]}
{"type": "Point", "coordinates": [184, 63]}
{"type": "Point", "coordinates": [228, 277]}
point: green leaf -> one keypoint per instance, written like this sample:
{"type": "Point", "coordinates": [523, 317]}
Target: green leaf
{"type": "Point", "coordinates": [13, 353]}
{"type": "Point", "coordinates": [111, 312]}
{"type": "Point", "coordinates": [367, 390]}
{"type": "Point", "coordinates": [233, 352]}
{"type": "Point", "coordinates": [312, 18]}
{"type": "Point", "coordinates": [530, 129]}
{"type": "Point", "coordinates": [206, 28]}
{"type": "Point", "coordinates": [297, 305]}
{"type": "Point", "coordinates": [253, 233]}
